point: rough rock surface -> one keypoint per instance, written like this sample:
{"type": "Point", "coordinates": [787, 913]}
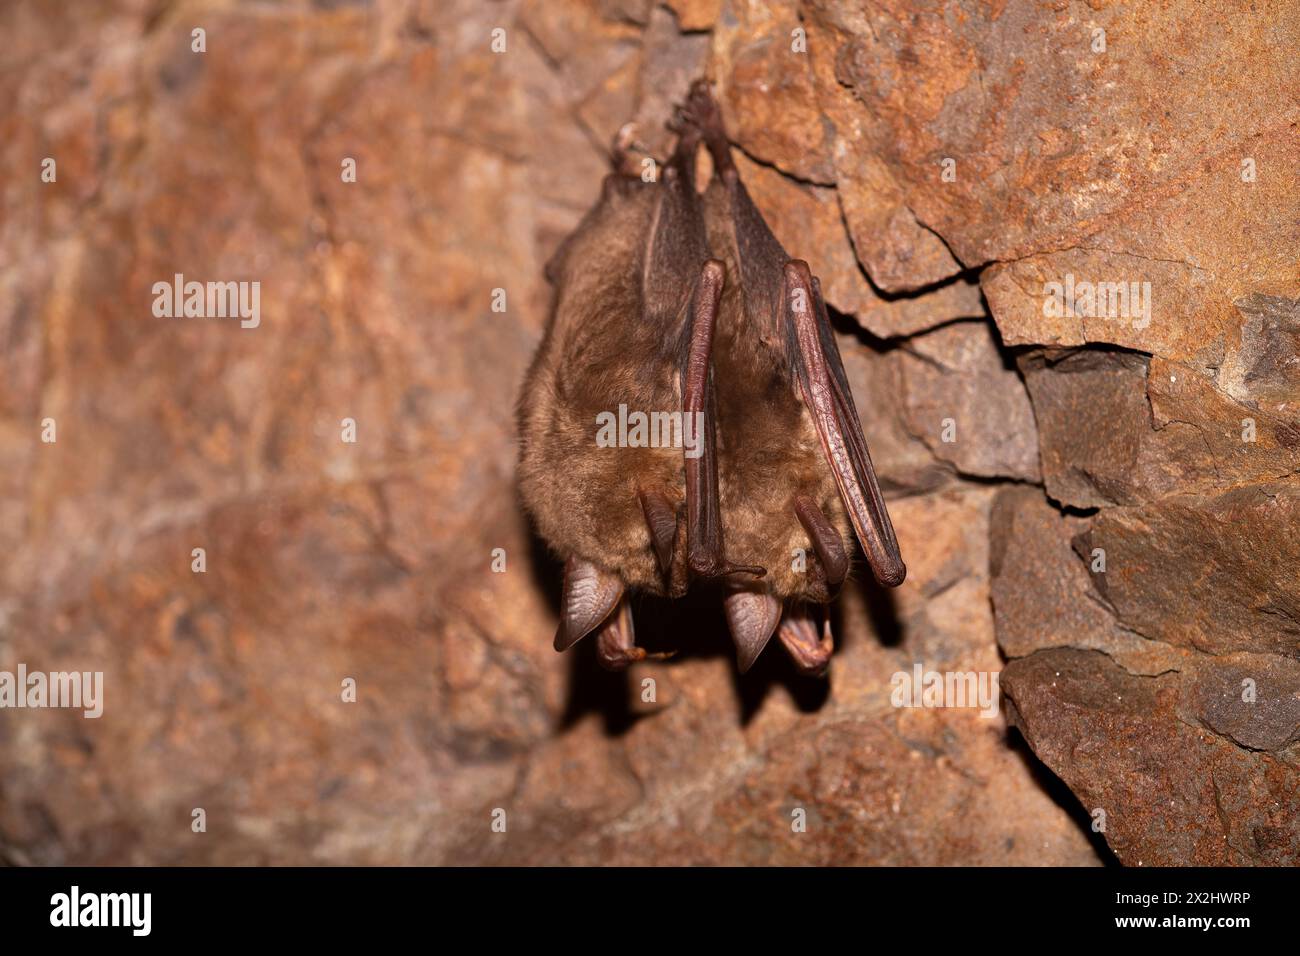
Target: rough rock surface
{"type": "Point", "coordinates": [1115, 521]}
{"type": "Point", "coordinates": [965, 401]}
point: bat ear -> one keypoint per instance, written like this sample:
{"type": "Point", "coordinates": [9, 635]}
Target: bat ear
{"type": "Point", "coordinates": [590, 596]}
{"type": "Point", "coordinates": [807, 640]}
{"type": "Point", "coordinates": [826, 392]}
{"type": "Point", "coordinates": [752, 616]}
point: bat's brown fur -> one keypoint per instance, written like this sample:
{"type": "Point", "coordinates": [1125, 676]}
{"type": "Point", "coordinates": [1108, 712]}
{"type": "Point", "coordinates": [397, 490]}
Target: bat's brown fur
{"type": "Point", "coordinates": [631, 293]}
{"type": "Point", "coordinates": [595, 355]}
{"type": "Point", "coordinates": [769, 449]}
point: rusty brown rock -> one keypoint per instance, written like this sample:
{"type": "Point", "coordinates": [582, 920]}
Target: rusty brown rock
{"type": "Point", "coordinates": [1162, 689]}
{"type": "Point", "coordinates": [1224, 550]}
{"type": "Point", "coordinates": [1122, 428]}
{"type": "Point", "coordinates": [1052, 135]}
{"type": "Point", "coordinates": [966, 402]}
{"type": "Point", "coordinates": [1208, 249]}
{"type": "Point", "coordinates": [765, 88]}
{"type": "Point", "coordinates": [807, 221]}
{"type": "Point", "coordinates": [898, 251]}
{"type": "Point", "coordinates": [223, 688]}
{"type": "Point", "coordinates": [1041, 591]}
{"type": "Point", "coordinates": [1262, 372]}
{"type": "Point", "coordinates": [1253, 699]}
{"type": "Point", "coordinates": [695, 14]}
{"type": "Point", "coordinates": [1167, 792]}
{"type": "Point", "coordinates": [582, 42]}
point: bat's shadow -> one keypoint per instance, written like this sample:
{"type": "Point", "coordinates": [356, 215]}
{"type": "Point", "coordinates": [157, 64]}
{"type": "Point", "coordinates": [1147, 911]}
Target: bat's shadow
{"type": "Point", "coordinates": [689, 628]}
{"type": "Point", "coordinates": [694, 627]}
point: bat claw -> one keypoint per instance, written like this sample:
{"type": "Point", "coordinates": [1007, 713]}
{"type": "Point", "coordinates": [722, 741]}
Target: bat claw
{"type": "Point", "coordinates": [626, 143]}
{"type": "Point", "coordinates": [701, 111]}
{"type": "Point", "coordinates": [625, 139]}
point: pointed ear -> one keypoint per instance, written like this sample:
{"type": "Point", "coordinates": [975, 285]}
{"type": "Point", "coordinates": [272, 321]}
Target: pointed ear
{"type": "Point", "coordinates": [816, 359]}
{"type": "Point", "coordinates": [752, 616]}
{"type": "Point", "coordinates": [590, 596]}
{"type": "Point", "coordinates": [704, 546]}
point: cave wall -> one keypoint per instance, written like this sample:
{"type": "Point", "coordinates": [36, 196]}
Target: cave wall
{"type": "Point", "coordinates": [1110, 519]}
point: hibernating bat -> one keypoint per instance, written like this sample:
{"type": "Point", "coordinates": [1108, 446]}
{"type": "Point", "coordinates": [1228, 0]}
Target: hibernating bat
{"type": "Point", "coordinates": [687, 417]}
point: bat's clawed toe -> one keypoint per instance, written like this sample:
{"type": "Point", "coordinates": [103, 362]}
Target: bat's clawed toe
{"type": "Point", "coordinates": [752, 617]}
{"type": "Point", "coordinates": [701, 113]}
{"type": "Point", "coordinates": [805, 632]}
{"type": "Point", "coordinates": [590, 596]}
{"type": "Point", "coordinates": [701, 109]}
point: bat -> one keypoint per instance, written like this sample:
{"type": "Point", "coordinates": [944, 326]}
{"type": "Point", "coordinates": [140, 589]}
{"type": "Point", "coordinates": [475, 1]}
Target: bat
{"type": "Point", "coordinates": [669, 302]}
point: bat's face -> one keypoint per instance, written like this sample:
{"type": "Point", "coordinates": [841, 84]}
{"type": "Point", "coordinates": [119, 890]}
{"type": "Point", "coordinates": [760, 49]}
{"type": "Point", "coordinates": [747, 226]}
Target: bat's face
{"type": "Point", "coordinates": [687, 418]}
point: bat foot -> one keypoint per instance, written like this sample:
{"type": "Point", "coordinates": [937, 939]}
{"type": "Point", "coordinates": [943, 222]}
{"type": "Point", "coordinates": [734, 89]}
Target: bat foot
{"type": "Point", "coordinates": [701, 112]}
{"type": "Point", "coordinates": [618, 660]}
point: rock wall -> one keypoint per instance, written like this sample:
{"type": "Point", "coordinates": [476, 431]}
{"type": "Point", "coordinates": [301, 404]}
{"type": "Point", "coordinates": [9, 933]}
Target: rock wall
{"type": "Point", "coordinates": [1096, 495]}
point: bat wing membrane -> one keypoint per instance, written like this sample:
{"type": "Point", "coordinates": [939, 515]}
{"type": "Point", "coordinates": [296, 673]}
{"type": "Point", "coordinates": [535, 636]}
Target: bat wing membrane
{"type": "Point", "coordinates": [825, 388]}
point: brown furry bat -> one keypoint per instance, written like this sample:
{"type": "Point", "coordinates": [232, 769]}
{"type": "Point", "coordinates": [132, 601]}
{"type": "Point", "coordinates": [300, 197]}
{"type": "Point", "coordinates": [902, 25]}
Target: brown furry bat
{"type": "Point", "coordinates": [767, 462]}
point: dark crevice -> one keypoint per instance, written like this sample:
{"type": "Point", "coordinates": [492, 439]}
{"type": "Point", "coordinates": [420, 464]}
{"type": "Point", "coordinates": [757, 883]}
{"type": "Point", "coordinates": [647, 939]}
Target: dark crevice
{"type": "Point", "coordinates": [1060, 793]}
